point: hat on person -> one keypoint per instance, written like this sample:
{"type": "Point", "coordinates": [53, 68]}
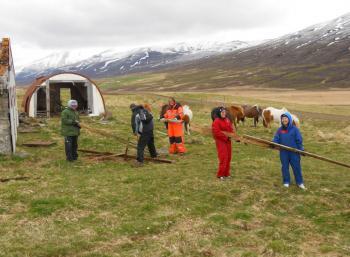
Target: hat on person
{"type": "Point", "coordinates": [220, 109]}
{"type": "Point", "coordinates": [72, 103]}
{"type": "Point", "coordinates": [132, 106]}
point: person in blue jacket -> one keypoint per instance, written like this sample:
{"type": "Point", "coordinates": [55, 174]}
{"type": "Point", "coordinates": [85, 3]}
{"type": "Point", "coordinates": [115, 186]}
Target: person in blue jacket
{"type": "Point", "coordinates": [289, 135]}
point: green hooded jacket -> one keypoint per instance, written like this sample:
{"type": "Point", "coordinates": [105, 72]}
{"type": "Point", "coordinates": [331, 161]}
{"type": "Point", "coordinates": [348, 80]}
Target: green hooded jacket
{"type": "Point", "coordinates": [68, 119]}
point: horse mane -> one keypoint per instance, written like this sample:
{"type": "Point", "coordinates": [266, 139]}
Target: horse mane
{"type": "Point", "coordinates": [147, 107]}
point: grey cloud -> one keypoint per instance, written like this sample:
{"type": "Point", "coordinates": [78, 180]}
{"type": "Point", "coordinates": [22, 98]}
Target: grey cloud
{"type": "Point", "coordinates": [79, 23]}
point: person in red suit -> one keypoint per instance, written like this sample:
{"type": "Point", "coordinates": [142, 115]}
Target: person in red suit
{"type": "Point", "coordinates": [174, 115]}
{"type": "Point", "coordinates": [222, 124]}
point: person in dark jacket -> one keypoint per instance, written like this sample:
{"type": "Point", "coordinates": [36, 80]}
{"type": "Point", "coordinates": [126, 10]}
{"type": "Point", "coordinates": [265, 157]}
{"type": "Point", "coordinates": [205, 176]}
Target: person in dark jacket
{"type": "Point", "coordinates": [70, 129]}
{"type": "Point", "coordinates": [142, 127]}
{"type": "Point", "coordinates": [289, 135]}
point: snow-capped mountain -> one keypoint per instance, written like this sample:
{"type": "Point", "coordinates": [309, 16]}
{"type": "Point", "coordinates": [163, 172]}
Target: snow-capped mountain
{"type": "Point", "coordinates": [318, 44]}
{"type": "Point", "coordinates": [112, 62]}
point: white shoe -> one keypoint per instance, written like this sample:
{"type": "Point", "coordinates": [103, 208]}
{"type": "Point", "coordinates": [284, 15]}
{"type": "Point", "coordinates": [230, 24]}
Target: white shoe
{"type": "Point", "coordinates": [301, 186]}
{"type": "Point", "coordinates": [286, 185]}
{"type": "Point", "coordinates": [222, 178]}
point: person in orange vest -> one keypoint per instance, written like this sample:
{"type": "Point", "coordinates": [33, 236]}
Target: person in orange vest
{"type": "Point", "coordinates": [174, 115]}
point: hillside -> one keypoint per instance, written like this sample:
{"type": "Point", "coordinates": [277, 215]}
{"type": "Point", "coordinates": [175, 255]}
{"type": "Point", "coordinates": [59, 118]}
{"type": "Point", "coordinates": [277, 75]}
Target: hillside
{"type": "Point", "coordinates": [318, 56]}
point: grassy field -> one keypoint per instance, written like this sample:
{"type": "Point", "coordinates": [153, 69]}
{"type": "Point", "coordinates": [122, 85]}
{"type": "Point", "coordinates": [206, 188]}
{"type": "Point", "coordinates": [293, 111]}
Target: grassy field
{"type": "Point", "coordinates": [112, 209]}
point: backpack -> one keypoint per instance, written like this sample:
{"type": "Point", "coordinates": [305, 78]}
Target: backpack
{"type": "Point", "coordinates": [145, 116]}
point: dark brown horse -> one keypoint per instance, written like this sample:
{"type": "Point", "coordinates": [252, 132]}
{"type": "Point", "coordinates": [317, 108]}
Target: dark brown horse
{"type": "Point", "coordinates": [237, 114]}
{"type": "Point", "coordinates": [254, 112]}
{"type": "Point", "coordinates": [163, 110]}
{"type": "Point", "coordinates": [233, 112]}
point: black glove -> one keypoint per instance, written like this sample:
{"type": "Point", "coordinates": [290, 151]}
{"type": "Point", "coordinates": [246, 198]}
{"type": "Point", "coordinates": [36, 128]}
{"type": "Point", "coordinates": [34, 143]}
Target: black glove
{"type": "Point", "coordinates": [178, 117]}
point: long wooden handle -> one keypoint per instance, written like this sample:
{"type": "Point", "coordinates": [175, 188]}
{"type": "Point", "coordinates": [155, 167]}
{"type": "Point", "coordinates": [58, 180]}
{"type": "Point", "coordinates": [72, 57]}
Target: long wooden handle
{"type": "Point", "coordinates": [108, 134]}
{"type": "Point", "coordinates": [232, 135]}
{"type": "Point", "coordinates": [268, 143]}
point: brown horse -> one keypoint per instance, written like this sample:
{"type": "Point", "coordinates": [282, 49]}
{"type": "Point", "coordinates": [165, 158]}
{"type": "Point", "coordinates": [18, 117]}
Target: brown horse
{"type": "Point", "coordinates": [254, 112]}
{"type": "Point", "coordinates": [147, 107]}
{"type": "Point", "coordinates": [163, 109]}
{"type": "Point", "coordinates": [237, 113]}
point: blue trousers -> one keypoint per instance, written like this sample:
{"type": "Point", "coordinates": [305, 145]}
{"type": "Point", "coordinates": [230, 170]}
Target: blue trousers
{"type": "Point", "coordinates": [292, 159]}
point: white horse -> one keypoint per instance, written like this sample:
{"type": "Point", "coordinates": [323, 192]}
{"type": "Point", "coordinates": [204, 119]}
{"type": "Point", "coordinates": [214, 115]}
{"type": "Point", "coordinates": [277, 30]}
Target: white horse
{"type": "Point", "coordinates": [273, 115]}
{"type": "Point", "coordinates": [296, 120]}
{"type": "Point", "coordinates": [187, 118]}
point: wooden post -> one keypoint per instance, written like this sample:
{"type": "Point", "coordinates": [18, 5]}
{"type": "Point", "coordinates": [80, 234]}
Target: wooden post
{"type": "Point", "coordinates": [90, 97]}
{"type": "Point", "coordinates": [48, 107]}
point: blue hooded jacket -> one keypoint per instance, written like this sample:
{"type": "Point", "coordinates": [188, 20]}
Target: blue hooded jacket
{"type": "Point", "coordinates": [290, 135]}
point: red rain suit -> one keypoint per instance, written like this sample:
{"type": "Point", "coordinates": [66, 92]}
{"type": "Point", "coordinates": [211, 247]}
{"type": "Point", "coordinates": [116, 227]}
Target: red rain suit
{"type": "Point", "coordinates": [223, 145]}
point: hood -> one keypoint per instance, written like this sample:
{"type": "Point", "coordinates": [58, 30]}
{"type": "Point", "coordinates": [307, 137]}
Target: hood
{"type": "Point", "coordinates": [290, 124]}
{"type": "Point", "coordinates": [137, 108]}
{"type": "Point", "coordinates": [216, 112]}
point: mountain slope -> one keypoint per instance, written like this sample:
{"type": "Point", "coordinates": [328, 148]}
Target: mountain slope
{"type": "Point", "coordinates": [111, 63]}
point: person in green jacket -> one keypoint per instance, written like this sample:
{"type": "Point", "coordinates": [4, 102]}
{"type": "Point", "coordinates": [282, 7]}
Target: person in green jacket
{"type": "Point", "coordinates": [70, 129]}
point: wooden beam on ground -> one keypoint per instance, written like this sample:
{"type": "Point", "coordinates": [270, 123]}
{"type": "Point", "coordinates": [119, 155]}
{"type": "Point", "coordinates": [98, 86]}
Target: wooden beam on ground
{"type": "Point", "coordinates": [109, 155]}
{"type": "Point", "coordinates": [15, 178]}
{"type": "Point", "coordinates": [106, 157]}
{"type": "Point", "coordinates": [95, 152]}
{"type": "Point", "coordinates": [147, 159]}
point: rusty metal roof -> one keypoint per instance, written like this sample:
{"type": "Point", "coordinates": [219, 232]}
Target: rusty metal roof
{"type": "Point", "coordinates": [4, 55]}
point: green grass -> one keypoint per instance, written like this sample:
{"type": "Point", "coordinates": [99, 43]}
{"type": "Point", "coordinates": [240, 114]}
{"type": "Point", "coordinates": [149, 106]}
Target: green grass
{"type": "Point", "coordinates": [112, 209]}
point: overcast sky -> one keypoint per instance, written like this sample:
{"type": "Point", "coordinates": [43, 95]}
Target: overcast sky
{"type": "Point", "coordinates": [39, 27]}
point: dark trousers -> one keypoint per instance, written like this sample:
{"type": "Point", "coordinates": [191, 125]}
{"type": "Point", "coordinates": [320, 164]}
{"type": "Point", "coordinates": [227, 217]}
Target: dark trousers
{"type": "Point", "coordinates": [71, 147]}
{"type": "Point", "coordinates": [146, 139]}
